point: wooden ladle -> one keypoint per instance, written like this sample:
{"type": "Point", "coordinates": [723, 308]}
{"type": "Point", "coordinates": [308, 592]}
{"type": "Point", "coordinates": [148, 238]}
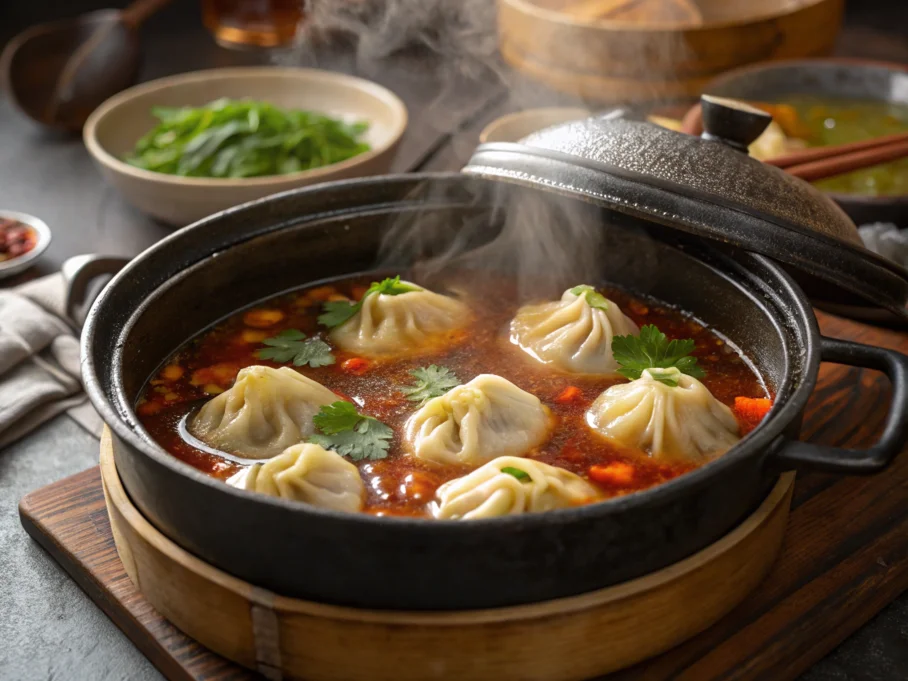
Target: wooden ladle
{"type": "Point", "coordinates": [58, 73]}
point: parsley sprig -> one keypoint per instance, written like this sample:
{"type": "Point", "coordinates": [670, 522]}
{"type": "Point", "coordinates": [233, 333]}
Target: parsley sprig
{"type": "Point", "coordinates": [593, 297]}
{"type": "Point", "coordinates": [293, 346]}
{"type": "Point", "coordinates": [350, 433]}
{"type": "Point", "coordinates": [652, 350]}
{"type": "Point", "coordinates": [336, 312]}
{"type": "Point", "coordinates": [431, 381]}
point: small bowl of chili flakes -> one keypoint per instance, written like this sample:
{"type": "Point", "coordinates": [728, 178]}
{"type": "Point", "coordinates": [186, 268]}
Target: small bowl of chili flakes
{"type": "Point", "coordinates": [22, 239]}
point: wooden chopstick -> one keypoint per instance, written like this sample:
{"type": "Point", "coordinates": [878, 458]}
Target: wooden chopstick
{"type": "Point", "coordinates": [819, 153]}
{"type": "Point", "coordinates": [845, 163]}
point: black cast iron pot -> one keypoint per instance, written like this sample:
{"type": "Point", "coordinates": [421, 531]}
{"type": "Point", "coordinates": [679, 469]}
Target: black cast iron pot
{"type": "Point", "coordinates": [210, 269]}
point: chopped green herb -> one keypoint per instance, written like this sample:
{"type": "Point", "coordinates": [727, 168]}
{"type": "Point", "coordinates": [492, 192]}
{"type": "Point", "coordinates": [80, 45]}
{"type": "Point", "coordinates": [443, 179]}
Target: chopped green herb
{"type": "Point", "coordinates": [431, 381]}
{"type": "Point", "coordinates": [516, 472]}
{"type": "Point", "coordinates": [350, 433]}
{"type": "Point", "coordinates": [593, 297]}
{"type": "Point", "coordinates": [336, 312]}
{"type": "Point", "coordinates": [668, 376]}
{"type": "Point", "coordinates": [652, 350]}
{"type": "Point", "coordinates": [293, 346]}
{"type": "Point", "coordinates": [244, 138]}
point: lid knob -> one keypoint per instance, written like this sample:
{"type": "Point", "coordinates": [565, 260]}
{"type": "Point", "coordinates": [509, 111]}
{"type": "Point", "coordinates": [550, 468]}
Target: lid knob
{"type": "Point", "coordinates": [732, 122]}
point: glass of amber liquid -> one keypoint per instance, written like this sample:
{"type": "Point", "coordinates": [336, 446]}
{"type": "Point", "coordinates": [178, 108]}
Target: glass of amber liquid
{"type": "Point", "coordinates": [253, 23]}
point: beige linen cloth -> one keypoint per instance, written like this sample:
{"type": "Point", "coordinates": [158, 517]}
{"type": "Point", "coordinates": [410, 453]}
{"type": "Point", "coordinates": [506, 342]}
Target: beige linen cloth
{"type": "Point", "coordinates": [39, 360]}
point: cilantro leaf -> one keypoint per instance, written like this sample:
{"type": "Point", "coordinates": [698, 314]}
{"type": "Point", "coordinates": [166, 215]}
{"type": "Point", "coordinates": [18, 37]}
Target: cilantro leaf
{"type": "Point", "coordinates": [336, 417]}
{"type": "Point", "coordinates": [350, 433]}
{"type": "Point", "coordinates": [293, 346]}
{"type": "Point", "coordinates": [516, 472]}
{"type": "Point", "coordinates": [336, 312]}
{"type": "Point", "coordinates": [391, 287]}
{"type": "Point", "coordinates": [593, 297]}
{"type": "Point", "coordinates": [431, 381]}
{"type": "Point", "coordinates": [652, 350]}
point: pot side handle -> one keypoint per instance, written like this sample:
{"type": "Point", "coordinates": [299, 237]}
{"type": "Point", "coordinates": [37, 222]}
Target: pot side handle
{"type": "Point", "coordinates": [79, 273]}
{"type": "Point", "coordinates": [804, 455]}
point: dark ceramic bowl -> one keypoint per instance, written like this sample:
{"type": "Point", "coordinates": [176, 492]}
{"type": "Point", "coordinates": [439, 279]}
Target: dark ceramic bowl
{"type": "Point", "coordinates": [198, 275]}
{"type": "Point", "coordinates": [846, 78]}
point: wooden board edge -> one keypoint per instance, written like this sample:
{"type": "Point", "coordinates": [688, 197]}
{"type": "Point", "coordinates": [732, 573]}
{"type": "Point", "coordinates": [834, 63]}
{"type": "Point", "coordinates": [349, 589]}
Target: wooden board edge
{"type": "Point", "coordinates": [97, 592]}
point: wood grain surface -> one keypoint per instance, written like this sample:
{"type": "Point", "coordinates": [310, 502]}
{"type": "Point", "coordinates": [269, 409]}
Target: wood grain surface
{"type": "Point", "coordinates": [606, 60]}
{"type": "Point", "coordinates": [845, 554]}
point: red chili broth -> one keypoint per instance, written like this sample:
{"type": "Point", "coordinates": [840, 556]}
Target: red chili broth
{"type": "Point", "coordinates": [402, 484]}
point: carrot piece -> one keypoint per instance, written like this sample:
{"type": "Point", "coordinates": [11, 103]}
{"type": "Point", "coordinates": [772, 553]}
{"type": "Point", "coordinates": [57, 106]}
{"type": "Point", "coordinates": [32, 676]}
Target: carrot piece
{"type": "Point", "coordinates": [172, 372]}
{"type": "Point", "coordinates": [752, 408]}
{"type": "Point", "coordinates": [262, 318]}
{"type": "Point", "coordinates": [359, 291]}
{"type": "Point", "coordinates": [750, 411]}
{"type": "Point", "coordinates": [356, 366]}
{"type": "Point", "coordinates": [614, 473]}
{"type": "Point", "coordinates": [569, 395]}
{"type": "Point", "coordinates": [321, 293]}
{"type": "Point", "coordinates": [252, 336]}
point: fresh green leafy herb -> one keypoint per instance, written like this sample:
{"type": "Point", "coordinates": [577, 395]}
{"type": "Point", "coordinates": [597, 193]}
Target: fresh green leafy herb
{"type": "Point", "coordinates": [336, 312]}
{"type": "Point", "coordinates": [593, 297]}
{"type": "Point", "coordinates": [431, 381]}
{"type": "Point", "coordinates": [668, 376]}
{"type": "Point", "coordinates": [652, 350]}
{"type": "Point", "coordinates": [337, 417]}
{"type": "Point", "coordinates": [244, 138]}
{"type": "Point", "coordinates": [293, 346]}
{"type": "Point", "coordinates": [516, 472]}
{"type": "Point", "coordinates": [350, 433]}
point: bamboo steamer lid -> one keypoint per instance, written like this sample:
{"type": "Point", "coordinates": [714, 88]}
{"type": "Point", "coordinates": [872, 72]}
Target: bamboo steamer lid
{"type": "Point", "coordinates": [640, 50]}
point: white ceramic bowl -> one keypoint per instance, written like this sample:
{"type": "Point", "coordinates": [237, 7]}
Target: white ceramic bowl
{"type": "Point", "coordinates": [114, 127]}
{"type": "Point", "coordinates": [15, 265]}
{"type": "Point", "coordinates": [514, 127]}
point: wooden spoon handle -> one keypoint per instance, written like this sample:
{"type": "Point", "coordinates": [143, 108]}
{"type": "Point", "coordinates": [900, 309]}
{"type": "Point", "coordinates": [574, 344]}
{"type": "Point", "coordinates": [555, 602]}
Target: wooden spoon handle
{"type": "Point", "coordinates": [136, 14]}
{"type": "Point", "coordinates": [828, 167]}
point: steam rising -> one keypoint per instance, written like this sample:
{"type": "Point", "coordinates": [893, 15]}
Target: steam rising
{"type": "Point", "coordinates": [547, 243]}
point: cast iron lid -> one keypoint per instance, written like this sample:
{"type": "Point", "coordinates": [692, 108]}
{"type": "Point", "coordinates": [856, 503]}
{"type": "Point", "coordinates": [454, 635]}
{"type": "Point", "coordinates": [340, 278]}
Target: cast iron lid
{"type": "Point", "coordinates": [710, 187]}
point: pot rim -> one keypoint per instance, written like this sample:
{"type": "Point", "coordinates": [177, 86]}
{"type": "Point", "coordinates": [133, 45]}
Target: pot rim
{"type": "Point", "coordinates": [797, 383]}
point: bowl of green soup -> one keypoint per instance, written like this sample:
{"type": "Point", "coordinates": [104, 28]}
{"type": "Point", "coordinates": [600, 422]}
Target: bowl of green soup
{"type": "Point", "coordinates": [823, 102]}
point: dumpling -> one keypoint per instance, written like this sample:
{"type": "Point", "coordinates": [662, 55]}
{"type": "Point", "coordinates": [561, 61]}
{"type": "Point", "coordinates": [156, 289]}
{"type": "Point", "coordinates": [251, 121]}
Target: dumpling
{"type": "Point", "coordinates": [573, 334]}
{"type": "Point", "coordinates": [478, 421]}
{"type": "Point", "coordinates": [306, 473]}
{"type": "Point", "coordinates": [682, 421]}
{"type": "Point", "coordinates": [395, 324]}
{"type": "Point", "coordinates": [264, 412]}
{"type": "Point", "coordinates": [510, 485]}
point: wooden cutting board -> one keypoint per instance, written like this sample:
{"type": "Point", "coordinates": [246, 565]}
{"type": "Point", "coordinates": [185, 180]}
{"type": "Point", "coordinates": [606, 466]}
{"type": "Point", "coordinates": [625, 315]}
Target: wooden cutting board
{"type": "Point", "coordinates": [845, 555]}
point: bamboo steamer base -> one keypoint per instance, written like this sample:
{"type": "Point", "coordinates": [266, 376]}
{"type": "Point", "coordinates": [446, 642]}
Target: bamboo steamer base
{"type": "Point", "coordinates": [570, 638]}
